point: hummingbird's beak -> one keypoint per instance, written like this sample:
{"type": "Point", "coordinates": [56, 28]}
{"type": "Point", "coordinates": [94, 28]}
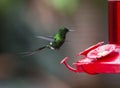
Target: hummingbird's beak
{"type": "Point", "coordinates": [72, 30]}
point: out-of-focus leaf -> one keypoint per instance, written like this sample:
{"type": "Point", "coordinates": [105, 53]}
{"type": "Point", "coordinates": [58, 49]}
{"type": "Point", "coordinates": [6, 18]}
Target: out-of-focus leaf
{"type": "Point", "coordinates": [64, 6]}
{"type": "Point", "coordinates": [6, 5]}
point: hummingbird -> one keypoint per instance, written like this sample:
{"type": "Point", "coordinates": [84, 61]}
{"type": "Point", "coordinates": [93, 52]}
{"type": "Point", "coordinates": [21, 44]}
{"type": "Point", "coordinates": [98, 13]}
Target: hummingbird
{"type": "Point", "coordinates": [55, 41]}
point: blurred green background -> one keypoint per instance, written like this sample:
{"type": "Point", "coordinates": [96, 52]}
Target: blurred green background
{"type": "Point", "coordinates": [22, 20]}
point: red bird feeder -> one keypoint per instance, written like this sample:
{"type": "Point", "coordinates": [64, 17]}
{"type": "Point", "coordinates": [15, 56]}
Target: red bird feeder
{"type": "Point", "coordinates": [102, 59]}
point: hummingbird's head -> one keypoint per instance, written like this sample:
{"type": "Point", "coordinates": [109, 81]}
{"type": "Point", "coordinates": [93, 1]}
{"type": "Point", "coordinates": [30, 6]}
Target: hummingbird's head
{"type": "Point", "coordinates": [66, 29]}
{"type": "Point", "coordinates": [63, 31]}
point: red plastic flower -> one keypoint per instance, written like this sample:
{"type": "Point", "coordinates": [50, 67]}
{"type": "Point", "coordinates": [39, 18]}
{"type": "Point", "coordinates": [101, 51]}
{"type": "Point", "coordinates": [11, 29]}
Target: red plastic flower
{"type": "Point", "coordinates": [98, 59]}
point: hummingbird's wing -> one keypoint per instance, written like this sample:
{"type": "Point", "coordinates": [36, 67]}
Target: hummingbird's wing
{"type": "Point", "coordinates": [48, 38]}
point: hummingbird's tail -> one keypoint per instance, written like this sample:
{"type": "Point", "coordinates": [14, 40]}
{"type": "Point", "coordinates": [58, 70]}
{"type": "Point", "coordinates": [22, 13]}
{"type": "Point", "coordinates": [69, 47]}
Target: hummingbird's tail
{"type": "Point", "coordinates": [29, 53]}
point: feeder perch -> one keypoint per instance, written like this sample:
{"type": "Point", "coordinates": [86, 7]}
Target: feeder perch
{"type": "Point", "coordinates": [99, 58]}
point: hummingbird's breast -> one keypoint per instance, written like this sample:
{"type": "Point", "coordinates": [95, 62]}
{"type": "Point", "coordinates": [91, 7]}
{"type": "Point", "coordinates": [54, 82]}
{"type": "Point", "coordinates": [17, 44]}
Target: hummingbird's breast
{"type": "Point", "coordinates": [58, 41]}
{"type": "Point", "coordinates": [56, 44]}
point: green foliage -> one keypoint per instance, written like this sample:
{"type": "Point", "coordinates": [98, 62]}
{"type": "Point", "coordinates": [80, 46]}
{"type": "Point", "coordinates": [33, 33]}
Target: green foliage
{"type": "Point", "coordinates": [64, 6]}
{"type": "Point", "coordinates": [6, 5]}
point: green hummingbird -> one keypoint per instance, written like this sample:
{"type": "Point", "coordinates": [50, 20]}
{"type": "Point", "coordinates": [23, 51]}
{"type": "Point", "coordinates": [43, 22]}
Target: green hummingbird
{"type": "Point", "coordinates": [55, 42]}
